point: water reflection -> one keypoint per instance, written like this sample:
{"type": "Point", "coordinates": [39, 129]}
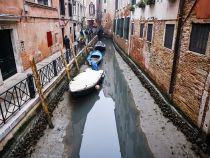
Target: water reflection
{"type": "Point", "coordinates": [105, 124]}
{"type": "Point", "coordinates": [133, 143]}
{"type": "Point", "coordinates": [74, 133]}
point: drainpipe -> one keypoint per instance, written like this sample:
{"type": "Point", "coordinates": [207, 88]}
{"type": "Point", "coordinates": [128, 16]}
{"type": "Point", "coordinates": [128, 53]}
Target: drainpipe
{"type": "Point", "coordinates": [177, 47]}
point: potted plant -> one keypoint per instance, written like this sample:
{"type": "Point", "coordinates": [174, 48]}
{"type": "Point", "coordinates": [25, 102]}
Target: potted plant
{"type": "Point", "coordinates": [141, 4]}
{"type": "Point", "coordinates": [150, 2]}
{"type": "Point", "coordinates": [131, 8]}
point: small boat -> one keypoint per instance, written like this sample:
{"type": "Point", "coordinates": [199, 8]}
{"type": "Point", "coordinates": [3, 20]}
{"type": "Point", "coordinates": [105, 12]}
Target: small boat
{"type": "Point", "coordinates": [85, 82]}
{"type": "Point", "coordinates": [94, 56]}
{"type": "Point", "coordinates": [100, 46]}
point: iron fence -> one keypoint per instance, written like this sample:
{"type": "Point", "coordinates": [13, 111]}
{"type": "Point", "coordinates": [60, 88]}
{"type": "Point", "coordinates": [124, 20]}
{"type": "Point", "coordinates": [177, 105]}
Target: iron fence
{"type": "Point", "coordinates": [15, 97]}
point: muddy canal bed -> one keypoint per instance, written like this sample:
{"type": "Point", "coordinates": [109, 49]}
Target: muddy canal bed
{"type": "Point", "coordinates": [119, 120]}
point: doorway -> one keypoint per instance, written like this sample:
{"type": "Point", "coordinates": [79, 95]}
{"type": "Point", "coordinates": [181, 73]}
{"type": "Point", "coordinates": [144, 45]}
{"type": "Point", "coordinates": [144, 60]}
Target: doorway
{"type": "Point", "coordinates": [7, 59]}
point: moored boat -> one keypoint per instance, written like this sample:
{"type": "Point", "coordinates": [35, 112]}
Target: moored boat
{"type": "Point", "coordinates": [85, 82]}
{"type": "Point", "coordinates": [94, 56]}
{"type": "Point", "coordinates": [100, 46]}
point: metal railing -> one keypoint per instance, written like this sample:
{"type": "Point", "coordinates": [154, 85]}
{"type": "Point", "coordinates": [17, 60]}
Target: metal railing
{"type": "Point", "coordinates": [15, 97]}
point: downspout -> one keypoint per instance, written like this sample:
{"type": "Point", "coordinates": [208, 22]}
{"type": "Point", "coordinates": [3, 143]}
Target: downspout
{"type": "Point", "coordinates": [177, 47]}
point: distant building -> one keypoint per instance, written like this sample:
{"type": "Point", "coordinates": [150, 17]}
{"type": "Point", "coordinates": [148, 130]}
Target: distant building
{"type": "Point", "coordinates": [174, 53]}
{"type": "Point", "coordinates": [34, 27]}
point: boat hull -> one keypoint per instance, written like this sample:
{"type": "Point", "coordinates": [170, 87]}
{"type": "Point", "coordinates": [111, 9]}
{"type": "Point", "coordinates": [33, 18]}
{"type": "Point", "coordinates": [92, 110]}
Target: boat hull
{"type": "Point", "coordinates": [85, 82]}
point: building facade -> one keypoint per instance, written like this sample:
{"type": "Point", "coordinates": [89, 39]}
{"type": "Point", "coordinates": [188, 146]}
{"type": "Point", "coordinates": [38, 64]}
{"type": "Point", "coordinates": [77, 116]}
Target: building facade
{"type": "Point", "coordinates": [169, 40]}
{"type": "Point", "coordinates": [34, 28]}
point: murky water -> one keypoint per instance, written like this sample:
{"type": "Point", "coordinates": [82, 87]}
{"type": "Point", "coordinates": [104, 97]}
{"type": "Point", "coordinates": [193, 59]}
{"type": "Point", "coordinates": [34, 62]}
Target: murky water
{"type": "Point", "coordinates": [105, 124]}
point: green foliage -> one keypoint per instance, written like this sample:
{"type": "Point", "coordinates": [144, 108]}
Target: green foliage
{"type": "Point", "coordinates": [150, 2]}
{"type": "Point", "coordinates": [141, 4]}
{"type": "Point", "coordinates": [131, 8]}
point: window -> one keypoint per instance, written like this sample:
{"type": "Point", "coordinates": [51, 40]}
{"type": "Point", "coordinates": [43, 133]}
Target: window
{"type": "Point", "coordinates": [70, 9]}
{"type": "Point", "coordinates": [132, 28]}
{"type": "Point", "coordinates": [133, 2]}
{"type": "Point", "coordinates": [114, 26]}
{"type": "Point", "coordinates": [121, 27]}
{"type": "Point", "coordinates": [141, 30]}
{"type": "Point", "coordinates": [62, 7]}
{"type": "Point", "coordinates": [169, 35]}
{"type": "Point", "coordinates": [199, 38]}
{"type": "Point", "coordinates": [104, 1]}
{"type": "Point", "coordinates": [116, 4]}
{"type": "Point", "coordinates": [118, 26]}
{"type": "Point", "coordinates": [49, 39]}
{"type": "Point", "coordinates": [104, 10]}
{"type": "Point", "coordinates": [126, 28]}
{"type": "Point", "coordinates": [149, 32]}
{"type": "Point", "coordinates": [92, 9]}
{"type": "Point", "coordinates": [43, 2]}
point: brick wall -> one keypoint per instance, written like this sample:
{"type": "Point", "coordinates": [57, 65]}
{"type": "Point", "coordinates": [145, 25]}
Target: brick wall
{"type": "Point", "coordinates": [152, 57]}
{"type": "Point", "coordinates": [192, 71]}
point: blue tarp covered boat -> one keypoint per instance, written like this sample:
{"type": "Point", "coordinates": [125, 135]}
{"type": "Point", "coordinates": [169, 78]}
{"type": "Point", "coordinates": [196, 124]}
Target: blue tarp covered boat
{"type": "Point", "coordinates": [94, 56]}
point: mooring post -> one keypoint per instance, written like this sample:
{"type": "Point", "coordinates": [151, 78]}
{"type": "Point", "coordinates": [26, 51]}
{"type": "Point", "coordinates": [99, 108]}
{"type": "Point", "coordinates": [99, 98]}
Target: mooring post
{"type": "Point", "coordinates": [73, 52]}
{"type": "Point", "coordinates": [39, 89]}
{"type": "Point", "coordinates": [55, 67]}
{"type": "Point", "coordinates": [65, 64]}
{"type": "Point", "coordinates": [31, 87]}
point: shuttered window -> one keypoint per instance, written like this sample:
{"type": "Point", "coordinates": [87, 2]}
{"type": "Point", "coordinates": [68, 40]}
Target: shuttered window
{"type": "Point", "coordinates": [70, 9]}
{"type": "Point", "coordinates": [121, 27]}
{"type": "Point", "coordinates": [49, 39]}
{"type": "Point", "coordinates": [133, 2]}
{"type": "Point", "coordinates": [141, 30]}
{"type": "Point", "coordinates": [132, 28]}
{"type": "Point", "coordinates": [62, 7]}
{"type": "Point", "coordinates": [118, 26]}
{"type": "Point", "coordinates": [149, 32]}
{"type": "Point", "coordinates": [126, 28]}
{"type": "Point", "coordinates": [114, 26]}
{"type": "Point", "coordinates": [169, 35]}
{"type": "Point", "coordinates": [199, 38]}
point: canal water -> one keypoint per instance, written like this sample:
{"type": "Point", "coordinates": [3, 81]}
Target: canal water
{"type": "Point", "coordinates": [105, 124]}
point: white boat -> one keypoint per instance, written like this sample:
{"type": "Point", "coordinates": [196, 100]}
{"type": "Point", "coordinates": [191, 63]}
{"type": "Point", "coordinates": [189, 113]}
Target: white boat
{"type": "Point", "coordinates": [85, 82]}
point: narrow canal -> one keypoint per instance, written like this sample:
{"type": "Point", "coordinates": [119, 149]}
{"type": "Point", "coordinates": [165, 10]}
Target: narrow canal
{"type": "Point", "coordinates": [106, 123]}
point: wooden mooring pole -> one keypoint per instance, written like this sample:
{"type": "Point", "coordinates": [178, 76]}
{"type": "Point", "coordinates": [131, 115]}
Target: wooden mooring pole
{"type": "Point", "coordinates": [73, 52]}
{"type": "Point", "coordinates": [65, 64]}
{"type": "Point", "coordinates": [39, 89]}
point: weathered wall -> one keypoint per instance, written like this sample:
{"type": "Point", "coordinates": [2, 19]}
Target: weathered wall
{"type": "Point", "coordinates": [33, 35]}
{"type": "Point", "coordinates": [192, 71]}
{"type": "Point", "coordinates": [152, 57]}
{"type": "Point", "coordinates": [11, 7]}
{"type": "Point", "coordinates": [122, 43]}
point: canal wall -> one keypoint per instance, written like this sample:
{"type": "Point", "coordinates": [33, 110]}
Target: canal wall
{"type": "Point", "coordinates": [30, 125]}
{"type": "Point", "coordinates": [168, 108]}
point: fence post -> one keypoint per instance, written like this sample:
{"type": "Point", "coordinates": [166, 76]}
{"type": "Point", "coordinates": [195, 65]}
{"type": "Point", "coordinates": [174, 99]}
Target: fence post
{"type": "Point", "coordinates": [55, 68]}
{"type": "Point", "coordinates": [31, 87]}
{"type": "Point", "coordinates": [67, 56]}
{"type": "Point", "coordinates": [39, 89]}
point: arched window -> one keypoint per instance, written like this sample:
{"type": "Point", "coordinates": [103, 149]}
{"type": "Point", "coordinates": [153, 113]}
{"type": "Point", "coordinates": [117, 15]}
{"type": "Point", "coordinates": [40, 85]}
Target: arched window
{"type": "Point", "coordinates": [92, 9]}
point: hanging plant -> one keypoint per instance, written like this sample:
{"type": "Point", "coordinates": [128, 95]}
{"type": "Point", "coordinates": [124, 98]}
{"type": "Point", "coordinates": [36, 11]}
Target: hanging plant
{"type": "Point", "coordinates": [141, 4]}
{"type": "Point", "coordinates": [131, 8]}
{"type": "Point", "coordinates": [150, 2]}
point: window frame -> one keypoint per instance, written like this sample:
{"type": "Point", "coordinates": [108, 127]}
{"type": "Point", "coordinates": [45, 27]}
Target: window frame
{"type": "Point", "coordinates": [207, 42]}
{"type": "Point", "coordinates": [174, 35]}
{"type": "Point", "coordinates": [150, 23]}
{"type": "Point", "coordinates": [140, 30]}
